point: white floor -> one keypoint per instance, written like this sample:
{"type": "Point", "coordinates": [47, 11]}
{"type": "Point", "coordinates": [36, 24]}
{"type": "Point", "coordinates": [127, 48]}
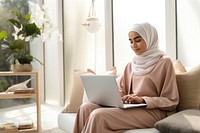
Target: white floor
{"type": "Point", "coordinates": [49, 115]}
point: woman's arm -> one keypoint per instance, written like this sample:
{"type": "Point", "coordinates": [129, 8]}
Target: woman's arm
{"type": "Point", "coordinates": [168, 96]}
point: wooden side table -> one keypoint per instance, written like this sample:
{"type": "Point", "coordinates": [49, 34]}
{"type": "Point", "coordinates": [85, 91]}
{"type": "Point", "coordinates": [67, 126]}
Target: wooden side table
{"type": "Point", "coordinates": [35, 95]}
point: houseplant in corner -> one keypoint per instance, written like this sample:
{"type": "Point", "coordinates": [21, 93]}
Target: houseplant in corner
{"type": "Point", "coordinates": [17, 48]}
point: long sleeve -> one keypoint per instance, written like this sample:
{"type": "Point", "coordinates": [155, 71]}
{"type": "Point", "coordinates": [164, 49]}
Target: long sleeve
{"type": "Point", "coordinates": [124, 81]}
{"type": "Point", "coordinates": [158, 88]}
{"type": "Point", "coordinates": [166, 85]}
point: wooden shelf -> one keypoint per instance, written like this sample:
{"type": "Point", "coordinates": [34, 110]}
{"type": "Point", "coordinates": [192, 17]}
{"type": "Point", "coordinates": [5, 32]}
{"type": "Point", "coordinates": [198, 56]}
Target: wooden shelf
{"type": "Point", "coordinates": [36, 95]}
{"type": "Point", "coordinates": [9, 96]}
{"type": "Point", "coordinates": [10, 73]}
{"type": "Point", "coordinates": [32, 130]}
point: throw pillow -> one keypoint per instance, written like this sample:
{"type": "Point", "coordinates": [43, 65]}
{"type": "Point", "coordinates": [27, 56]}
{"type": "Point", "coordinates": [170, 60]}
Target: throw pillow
{"type": "Point", "coordinates": [112, 71]}
{"type": "Point", "coordinates": [179, 67]}
{"type": "Point", "coordinates": [186, 121]}
{"type": "Point", "coordinates": [77, 91]}
{"type": "Point", "coordinates": [189, 89]}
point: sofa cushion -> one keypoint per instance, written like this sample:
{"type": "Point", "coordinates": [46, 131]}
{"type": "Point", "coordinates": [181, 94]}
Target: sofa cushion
{"type": "Point", "coordinates": [77, 91]}
{"type": "Point", "coordinates": [66, 121]}
{"type": "Point", "coordinates": [77, 96]}
{"type": "Point", "coordinates": [186, 121]}
{"type": "Point", "coordinates": [145, 130]}
{"type": "Point", "coordinates": [179, 67]}
{"type": "Point", "coordinates": [189, 89]}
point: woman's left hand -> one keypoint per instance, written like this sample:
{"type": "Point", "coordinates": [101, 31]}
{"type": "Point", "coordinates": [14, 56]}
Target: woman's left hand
{"type": "Point", "coordinates": [132, 98]}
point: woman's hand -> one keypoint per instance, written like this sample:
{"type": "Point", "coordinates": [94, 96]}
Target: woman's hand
{"type": "Point", "coordinates": [132, 98]}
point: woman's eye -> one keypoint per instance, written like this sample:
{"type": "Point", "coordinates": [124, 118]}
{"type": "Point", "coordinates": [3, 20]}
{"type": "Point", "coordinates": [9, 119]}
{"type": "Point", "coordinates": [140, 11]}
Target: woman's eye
{"type": "Point", "coordinates": [138, 40]}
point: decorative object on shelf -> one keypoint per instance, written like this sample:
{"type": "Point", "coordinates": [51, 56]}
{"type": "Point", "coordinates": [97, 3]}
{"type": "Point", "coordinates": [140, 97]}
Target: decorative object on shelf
{"type": "Point", "coordinates": [25, 29]}
{"type": "Point", "coordinates": [21, 86]}
{"type": "Point", "coordinates": [24, 91]}
{"type": "Point", "coordinates": [42, 18]}
{"type": "Point", "coordinates": [27, 124]}
{"type": "Point", "coordinates": [8, 127]}
{"type": "Point", "coordinates": [92, 22]}
{"type": "Point", "coordinates": [21, 67]}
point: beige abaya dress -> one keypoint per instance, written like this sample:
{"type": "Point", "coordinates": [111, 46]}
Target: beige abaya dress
{"type": "Point", "coordinates": [159, 90]}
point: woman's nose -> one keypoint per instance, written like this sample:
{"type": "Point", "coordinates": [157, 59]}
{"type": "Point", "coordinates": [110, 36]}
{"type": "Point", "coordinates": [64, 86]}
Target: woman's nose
{"type": "Point", "coordinates": [133, 44]}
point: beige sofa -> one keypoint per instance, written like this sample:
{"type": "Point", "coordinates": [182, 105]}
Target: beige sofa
{"type": "Point", "coordinates": [186, 120]}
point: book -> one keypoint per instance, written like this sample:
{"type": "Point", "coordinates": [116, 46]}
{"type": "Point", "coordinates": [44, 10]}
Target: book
{"type": "Point", "coordinates": [8, 127]}
{"type": "Point", "coordinates": [24, 91]}
{"type": "Point", "coordinates": [25, 125]}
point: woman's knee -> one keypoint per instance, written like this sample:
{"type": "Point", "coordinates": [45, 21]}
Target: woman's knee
{"type": "Point", "coordinates": [88, 107]}
{"type": "Point", "coordinates": [98, 113]}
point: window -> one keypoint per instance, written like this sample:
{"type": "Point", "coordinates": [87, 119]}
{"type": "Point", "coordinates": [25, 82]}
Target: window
{"type": "Point", "coordinates": [5, 7]}
{"type": "Point", "coordinates": [125, 14]}
{"type": "Point", "coordinates": [188, 31]}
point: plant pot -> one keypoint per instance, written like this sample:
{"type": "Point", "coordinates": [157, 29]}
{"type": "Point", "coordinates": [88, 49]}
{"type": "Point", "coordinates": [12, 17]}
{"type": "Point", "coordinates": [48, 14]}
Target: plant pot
{"type": "Point", "coordinates": [21, 68]}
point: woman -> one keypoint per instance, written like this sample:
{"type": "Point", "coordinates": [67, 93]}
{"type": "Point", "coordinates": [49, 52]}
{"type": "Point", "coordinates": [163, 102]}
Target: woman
{"type": "Point", "coordinates": [149, 78]}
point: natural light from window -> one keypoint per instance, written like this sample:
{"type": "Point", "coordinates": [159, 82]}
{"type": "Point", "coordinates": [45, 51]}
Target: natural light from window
{"type": "Point", "coordinates": [125, 14]}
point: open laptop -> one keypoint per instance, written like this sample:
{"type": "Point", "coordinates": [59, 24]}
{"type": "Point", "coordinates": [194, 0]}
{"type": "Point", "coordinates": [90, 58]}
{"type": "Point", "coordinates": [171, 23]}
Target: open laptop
{"type": "Point", "coordinates": [103, 90]}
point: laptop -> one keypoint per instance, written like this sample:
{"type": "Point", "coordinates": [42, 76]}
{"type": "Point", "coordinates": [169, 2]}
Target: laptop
{"type": "Point", "coordinates": [103, 90]}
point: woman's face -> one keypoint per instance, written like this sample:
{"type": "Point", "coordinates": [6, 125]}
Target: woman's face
{"type": "Point", "coordinates": [138, 44]}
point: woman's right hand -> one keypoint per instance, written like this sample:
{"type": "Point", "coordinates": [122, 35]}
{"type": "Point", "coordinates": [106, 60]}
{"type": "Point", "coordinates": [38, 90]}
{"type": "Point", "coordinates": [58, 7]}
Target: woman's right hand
{"type": "Point", "coordinates": [132, 98]}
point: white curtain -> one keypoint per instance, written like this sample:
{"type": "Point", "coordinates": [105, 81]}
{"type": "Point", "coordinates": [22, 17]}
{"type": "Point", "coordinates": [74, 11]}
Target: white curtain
{"type": "Point", "coordinates": [82, 49]}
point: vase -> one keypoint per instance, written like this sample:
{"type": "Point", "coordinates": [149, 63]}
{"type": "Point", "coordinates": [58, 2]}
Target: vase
{"type": "Point", "coordinates": [21, 68]}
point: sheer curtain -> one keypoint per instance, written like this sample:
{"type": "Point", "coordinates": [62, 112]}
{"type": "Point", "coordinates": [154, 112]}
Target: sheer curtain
{"type": "Point", "coordinates": [82, 49]}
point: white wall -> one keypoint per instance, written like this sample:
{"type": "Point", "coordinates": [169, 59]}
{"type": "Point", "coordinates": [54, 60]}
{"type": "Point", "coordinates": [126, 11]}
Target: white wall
{"type": "Point", "coordinates": [170, 18]}
{"type": "Point", "coordinates": [37, 49]}
{"type": "Point", "coordinates": [53, 54]}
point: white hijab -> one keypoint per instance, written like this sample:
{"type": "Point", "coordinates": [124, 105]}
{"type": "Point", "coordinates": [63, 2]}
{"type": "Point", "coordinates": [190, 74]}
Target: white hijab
{"type": "Point", "coordinates": [144, 63]}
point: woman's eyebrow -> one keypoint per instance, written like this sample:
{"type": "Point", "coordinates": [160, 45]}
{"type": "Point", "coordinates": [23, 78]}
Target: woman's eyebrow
{"type": "Point", "coordinates": [137, 37]}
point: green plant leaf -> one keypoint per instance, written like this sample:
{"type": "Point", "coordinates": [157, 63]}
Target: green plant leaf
{"type": "Point", "coordinates": [19, 49]}
{"type": "Point", "coordinates": [27, 17]}
{"type": "Point", "coordinates": [38, 32]}
{"type": "Point", "coordinates": [3, 34]}
{"type": "Point", "coordinates": [15, 12]}
{"type": "Point", "coordinates": [11, 59]}
{"type": "Point", "coordinates": [15, 22]}
{"type": "Point", "coordinates": [18, 44]}
{"type": "Point", "coordinates": [25, 59]}
{"type": "Point", "coordinates": [21, 32]}
{"type": "Point", "coordinates": [31, 29]}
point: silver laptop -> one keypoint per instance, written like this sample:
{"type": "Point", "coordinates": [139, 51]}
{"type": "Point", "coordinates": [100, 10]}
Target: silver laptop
{"type": "Point", "coordinates": [103, 90]}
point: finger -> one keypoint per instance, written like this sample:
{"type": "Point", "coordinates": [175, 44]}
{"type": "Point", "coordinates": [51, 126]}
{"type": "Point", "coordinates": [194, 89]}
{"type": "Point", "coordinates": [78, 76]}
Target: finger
{"type": "Point", "coordinates": [129, 98]}
{"type": "Point", "coordinates": [125, 98]}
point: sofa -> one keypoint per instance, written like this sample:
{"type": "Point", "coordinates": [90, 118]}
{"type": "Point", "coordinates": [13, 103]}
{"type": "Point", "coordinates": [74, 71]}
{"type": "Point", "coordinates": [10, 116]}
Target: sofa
{"type": "Point", "coordinates": [185, 120]}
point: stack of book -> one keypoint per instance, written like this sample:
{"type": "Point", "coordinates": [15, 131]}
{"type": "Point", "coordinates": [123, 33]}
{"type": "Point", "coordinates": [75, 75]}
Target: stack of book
{"type": "Point", "coordinates": [25, 125]}
{"type": "Point", "coordinates": [24, 91]}
{"type": "Point", "coordinates": [8, 128]}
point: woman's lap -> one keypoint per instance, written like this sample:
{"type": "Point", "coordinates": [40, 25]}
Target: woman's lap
{"type": "Point", "coordinates": [116, 119]}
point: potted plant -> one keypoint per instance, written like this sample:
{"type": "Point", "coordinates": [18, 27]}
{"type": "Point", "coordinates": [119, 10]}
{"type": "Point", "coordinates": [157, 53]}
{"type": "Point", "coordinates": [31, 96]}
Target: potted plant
{"type": "Point", "coordinates": [17, 48]}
